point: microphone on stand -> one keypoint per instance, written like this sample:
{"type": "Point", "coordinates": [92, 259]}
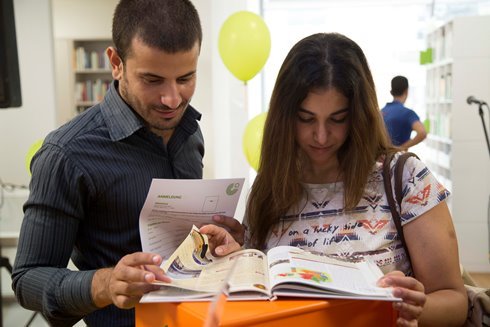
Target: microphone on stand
{"type": "Point", "coordinates": [471, 99]}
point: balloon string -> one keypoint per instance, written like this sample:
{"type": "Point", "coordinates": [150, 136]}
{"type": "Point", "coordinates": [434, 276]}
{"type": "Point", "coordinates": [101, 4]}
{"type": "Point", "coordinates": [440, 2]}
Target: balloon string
{"type": "Point", "coordinates": [245, 99]}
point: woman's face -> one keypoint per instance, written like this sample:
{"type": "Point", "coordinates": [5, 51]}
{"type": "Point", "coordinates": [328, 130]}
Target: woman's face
{"type": "Point", "coordinates": [321, 129]}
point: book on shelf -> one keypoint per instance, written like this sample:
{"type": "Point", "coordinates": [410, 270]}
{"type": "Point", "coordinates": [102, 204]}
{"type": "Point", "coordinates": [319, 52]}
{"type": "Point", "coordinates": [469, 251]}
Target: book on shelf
{"type": "Point", "coordinates": [91, 59]}
{"type": "Point", "coordinates": [91, 90]}
{"type": "Point", "coordinates": [250, 274]}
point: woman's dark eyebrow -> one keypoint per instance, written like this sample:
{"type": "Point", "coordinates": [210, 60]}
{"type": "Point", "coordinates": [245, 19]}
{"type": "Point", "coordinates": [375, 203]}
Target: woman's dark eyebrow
{"type": "Point", "coordinates": [341, 111]}
{"type": "Point", "coordinates": [305, 111]}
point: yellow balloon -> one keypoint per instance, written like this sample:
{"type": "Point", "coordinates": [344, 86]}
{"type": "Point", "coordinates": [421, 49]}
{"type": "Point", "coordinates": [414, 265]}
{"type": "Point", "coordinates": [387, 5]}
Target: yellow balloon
{"type": "Point", "coordinates": [31, 152]}
{"type": "Point", "coordinates": [244, 44]}
{"type": "Point", "coordinates": [252, 140]}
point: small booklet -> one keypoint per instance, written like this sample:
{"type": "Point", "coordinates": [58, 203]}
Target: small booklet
{"type": "Point", "coordinates": [284, 271]}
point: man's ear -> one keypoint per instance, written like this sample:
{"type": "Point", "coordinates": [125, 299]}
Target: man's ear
{"type": "Point", "coordinates": [116, 63]}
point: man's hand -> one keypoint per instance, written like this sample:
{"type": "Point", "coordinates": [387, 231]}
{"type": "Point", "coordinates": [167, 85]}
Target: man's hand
{"type": "Point", "coordinates": [232, 225]}
{"type": "Point", "coordinates": [125, 284]}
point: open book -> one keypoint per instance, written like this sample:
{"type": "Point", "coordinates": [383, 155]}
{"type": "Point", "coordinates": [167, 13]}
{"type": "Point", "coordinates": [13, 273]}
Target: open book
{"type": "Point", "coordinates": [284, 271]}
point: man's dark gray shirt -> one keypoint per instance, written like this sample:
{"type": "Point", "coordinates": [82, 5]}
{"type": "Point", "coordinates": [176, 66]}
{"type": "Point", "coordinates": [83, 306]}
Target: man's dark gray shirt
{"type": "Point", "coordinates": [89, 182]}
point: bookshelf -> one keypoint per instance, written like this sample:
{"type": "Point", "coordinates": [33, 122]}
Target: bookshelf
{"type": "Point", "coordinates": [82, 75]}
{"type": "Point", "coordinates": [92, 72]}
{"type": "Point", "coordinates": [456, 146]}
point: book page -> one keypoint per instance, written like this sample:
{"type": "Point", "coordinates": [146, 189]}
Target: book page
{"type": "Point", "coordinates": [187, 265]}
{"type": "Point", "coordinates": [195, 271]}
{"type": "Point", "coordinates": [295, 269]}
{"type": "Point", "coordinates": [173, 294]}
{"type": "Point", "coordinates": [172, 206]}
{"type": "Point", "coordinates": [250, 273]}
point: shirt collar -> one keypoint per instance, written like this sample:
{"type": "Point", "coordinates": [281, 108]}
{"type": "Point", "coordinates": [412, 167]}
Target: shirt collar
{"type": "Point", "coordinates": [119, 117]}
{"type": "Point", "coordinates": [122, 121]}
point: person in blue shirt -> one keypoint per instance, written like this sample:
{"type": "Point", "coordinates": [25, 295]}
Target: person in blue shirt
{"type": "Point", "coordinates": [400, 121]}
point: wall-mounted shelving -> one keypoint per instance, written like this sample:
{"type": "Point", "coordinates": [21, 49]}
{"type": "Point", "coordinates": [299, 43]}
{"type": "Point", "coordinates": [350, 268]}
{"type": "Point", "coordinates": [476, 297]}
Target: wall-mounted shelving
{"type": "Point", "coordinates": [456, 148]}
{"type": "Point", "coordinates": [92, 72]}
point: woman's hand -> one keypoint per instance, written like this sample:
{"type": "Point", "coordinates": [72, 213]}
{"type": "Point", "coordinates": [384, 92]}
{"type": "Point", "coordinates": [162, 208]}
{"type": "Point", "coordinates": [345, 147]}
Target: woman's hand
{"type": "Point", "coordinates": [221, 242]}
{"type": "Point", "coordinates": [235, 228]}
{"type": "Point", "coordinates": [411, 291]}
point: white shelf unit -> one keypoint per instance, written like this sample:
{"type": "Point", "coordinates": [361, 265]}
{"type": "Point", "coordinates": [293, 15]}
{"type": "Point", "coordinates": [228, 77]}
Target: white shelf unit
{"type": "Point", "coordinates": [82, 75]}
{"type": "Point", "coordinates": [92, 72]}
{"type": "Point", "coordinates": [456, 147]}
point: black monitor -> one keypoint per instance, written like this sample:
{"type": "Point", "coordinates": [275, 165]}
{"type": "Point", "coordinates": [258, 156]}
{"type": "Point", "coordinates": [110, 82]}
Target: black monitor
{"type": "Point", "coordinates": [10, 95]}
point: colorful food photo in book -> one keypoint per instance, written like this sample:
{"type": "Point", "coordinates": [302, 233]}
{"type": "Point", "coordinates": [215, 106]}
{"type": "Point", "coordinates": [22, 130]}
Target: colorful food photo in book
{"type": "Point", "coordinates": [302, 273]}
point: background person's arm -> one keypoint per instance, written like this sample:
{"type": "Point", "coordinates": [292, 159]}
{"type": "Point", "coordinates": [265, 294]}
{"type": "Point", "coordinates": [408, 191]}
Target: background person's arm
{"type": "Point", "coordinates": [420, 135]}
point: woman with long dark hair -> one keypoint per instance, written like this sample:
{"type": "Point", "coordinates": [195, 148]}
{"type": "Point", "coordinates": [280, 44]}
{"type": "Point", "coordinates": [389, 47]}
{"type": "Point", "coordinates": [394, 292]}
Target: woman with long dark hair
{"type": "Point", "coordinates": [319, 184]}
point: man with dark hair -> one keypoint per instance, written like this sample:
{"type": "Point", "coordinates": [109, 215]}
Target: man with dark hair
{"type": "Point", "coordinates": [399, 120]}
{"type": "Point", "coordinates": [91, 176]}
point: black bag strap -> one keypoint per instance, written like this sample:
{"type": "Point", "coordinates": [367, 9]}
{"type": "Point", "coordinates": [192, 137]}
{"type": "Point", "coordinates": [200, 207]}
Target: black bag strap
{"type": "Point", "coordinates": [398, 172]}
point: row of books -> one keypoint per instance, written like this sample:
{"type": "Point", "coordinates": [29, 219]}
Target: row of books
{"type": "Point", "coordinates": [91, 90]}
{"type": "Point", "coordinates": [90, 59]}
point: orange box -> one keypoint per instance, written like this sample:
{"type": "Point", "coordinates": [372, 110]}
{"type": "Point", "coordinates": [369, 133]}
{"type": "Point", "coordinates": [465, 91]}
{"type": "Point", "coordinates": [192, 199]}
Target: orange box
{"type": "Point", "coordinates": [279, 313]}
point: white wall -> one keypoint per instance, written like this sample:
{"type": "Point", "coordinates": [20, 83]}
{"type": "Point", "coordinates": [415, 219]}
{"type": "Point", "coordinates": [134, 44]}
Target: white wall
{"type": "Point", "coordinates": [83, 18]}
{"type": "Point", "coordinates": [229, 112]}
{"type": "Point", "coordinates": [20, 127]}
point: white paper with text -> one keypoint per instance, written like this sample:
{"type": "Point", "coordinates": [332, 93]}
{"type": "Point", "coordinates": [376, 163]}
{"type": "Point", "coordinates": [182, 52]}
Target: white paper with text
{"type": "Point", "coordinates": [172, 206]}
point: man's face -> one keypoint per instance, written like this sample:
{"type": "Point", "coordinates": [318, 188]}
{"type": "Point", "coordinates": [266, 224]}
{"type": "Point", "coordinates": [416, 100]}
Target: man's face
{"type": "Point", "coordinates": [157, 85]}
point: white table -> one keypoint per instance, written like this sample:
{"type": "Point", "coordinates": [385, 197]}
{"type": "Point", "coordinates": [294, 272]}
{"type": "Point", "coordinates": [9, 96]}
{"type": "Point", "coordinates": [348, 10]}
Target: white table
{"type": "Point", "coordinates": [11, 215]}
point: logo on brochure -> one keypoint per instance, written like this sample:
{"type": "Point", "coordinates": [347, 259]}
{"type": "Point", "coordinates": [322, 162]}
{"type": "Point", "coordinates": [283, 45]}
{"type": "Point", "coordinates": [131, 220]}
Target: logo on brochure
{"type": "Point", "coordinates": [232, 188]}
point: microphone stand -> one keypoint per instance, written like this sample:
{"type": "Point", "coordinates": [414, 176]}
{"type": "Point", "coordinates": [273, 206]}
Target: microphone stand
{"type": "Point", "coordinates": [480, 112]}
